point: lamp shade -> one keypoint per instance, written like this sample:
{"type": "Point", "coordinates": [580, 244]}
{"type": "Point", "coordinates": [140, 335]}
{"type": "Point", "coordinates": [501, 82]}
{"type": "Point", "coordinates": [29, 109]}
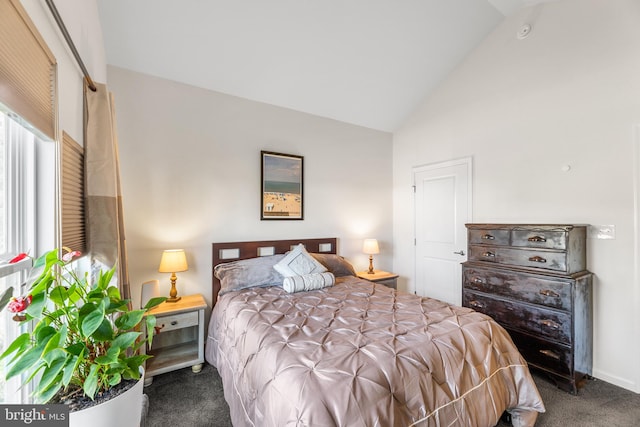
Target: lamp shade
{"type": "Point", "coordinates": [370, 246]}
{"type": "Point", "coordinates": [172, 261]}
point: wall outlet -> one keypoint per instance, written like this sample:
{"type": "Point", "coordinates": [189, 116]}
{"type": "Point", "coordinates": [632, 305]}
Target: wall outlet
{"type": "Point", "coordinates": [601, 232]}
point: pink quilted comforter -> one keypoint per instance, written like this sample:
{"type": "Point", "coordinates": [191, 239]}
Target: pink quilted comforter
{"type": "Point", "coordinates": [359, 354]}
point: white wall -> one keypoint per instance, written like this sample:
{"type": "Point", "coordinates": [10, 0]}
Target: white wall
{"type": "Point", "coordinates": [190, 168]}
{"type": "Point", "coordinates": [569, 94]}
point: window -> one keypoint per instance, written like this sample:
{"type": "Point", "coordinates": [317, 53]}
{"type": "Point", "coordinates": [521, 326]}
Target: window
{"type": "Point", "coordinates": [18, 203]}
{"type": "Point", "coordinates": [73, 222]}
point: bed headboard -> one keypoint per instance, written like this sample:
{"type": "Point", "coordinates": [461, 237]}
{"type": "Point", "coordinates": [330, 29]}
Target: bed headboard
{"type": "Point", "coordinates": [234, 251]}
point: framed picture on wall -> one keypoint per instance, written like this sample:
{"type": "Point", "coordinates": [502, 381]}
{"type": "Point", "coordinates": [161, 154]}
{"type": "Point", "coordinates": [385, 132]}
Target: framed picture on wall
{"type": "Point", "coordinates": [281, 186]}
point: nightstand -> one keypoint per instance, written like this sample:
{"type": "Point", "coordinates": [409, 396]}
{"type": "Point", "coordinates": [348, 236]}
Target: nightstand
{"type": "Point", "coordinates": [179, 339]}
{"type": "Point", "coordinates": [383, 277]}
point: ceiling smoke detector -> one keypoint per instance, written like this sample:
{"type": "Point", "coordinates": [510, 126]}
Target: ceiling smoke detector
{"type": "Point", "coordinates": [524, 31]}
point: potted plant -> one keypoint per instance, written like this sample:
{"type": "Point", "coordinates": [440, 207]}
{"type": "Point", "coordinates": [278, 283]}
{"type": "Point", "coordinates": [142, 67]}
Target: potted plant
{"type": "Point", "coordinates": [85, 339]}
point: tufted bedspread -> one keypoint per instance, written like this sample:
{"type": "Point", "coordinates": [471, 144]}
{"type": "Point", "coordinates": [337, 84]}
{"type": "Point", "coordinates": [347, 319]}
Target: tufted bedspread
{"type": "Point", "coordinates": [363, 355]}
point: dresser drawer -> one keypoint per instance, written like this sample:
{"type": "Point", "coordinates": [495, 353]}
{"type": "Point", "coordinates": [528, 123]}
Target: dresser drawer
{"type": "Point", "coordinates": [544, 354]}
{"type": "Point", "coordinates": [489, 237]}
{"type": "Point", "coordinates": [552, 324]}
{"type": "Point", "coordinates": [535, 289]}
{"type": "Point", "coordinates": [528, 258]}
{"type": "Point", "coordinates": [547, 239]}
{"type": "Point", "coordinates": [177, 321]}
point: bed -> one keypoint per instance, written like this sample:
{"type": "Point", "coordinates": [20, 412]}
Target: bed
{"type": "Point", "coordinates": [354, 353]}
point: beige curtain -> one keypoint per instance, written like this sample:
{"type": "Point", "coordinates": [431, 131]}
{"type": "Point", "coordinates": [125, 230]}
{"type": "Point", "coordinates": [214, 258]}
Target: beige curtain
{"type": "Point", "coordinates": [105, 223]}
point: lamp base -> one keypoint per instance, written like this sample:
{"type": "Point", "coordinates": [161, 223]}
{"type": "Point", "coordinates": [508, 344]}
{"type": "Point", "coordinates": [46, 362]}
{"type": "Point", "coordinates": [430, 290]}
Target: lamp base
{"type": "Point", "coordinates": [371, 270]}
{"type": "Point", "coordinates": [173, 299]}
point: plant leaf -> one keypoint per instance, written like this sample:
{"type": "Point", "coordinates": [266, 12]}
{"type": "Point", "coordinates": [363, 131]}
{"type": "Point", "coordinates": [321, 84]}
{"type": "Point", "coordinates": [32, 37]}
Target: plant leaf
{"type": "Point", "coordinates": [19, 344]}
{"type": "Point", "coordinates": [151, 323]}
{"type": "Point", "coordinates": [114, 293]}
{"type": "Point", "coordinates": [154, 302]}
{"type": "Point", "coordinates": [110, 357]}
{"type": "Point", "coordinates": [91, 382]}
{"type": "Point", "coordinates": [56, 354]}
{"type": "Point", "coordinates": [87, 308]}
{"type": "Point", "coordinates": [105, 278]}
{"type": "Point", "coordinates": [6, 297]}
{"type": "Point", "coordinates": [74, 293]}
{"type": "Point", "coordinates": [114, 379]}
{"type": "Point", "coordinates": [95, 295]}
{"type": "Point", "coordinates": [92, 321]}
{"type": "Point", "coordinates": [117, 305]}
{"type": "Point", "coordinates": [69, 369]}
{"type": "Point", "coordinates": [104, 331]}
{"type": "Point", "coordinates": [59, 295]}
{"type": "Point", "coordinates": [131, 373]}
{"type": "Point", "coordinates": [47, 394]}
{"type": "Point", "coordinates": [55, 342]}
{"type": "Point", "coordinates": [42, 268]}
{"type": "Point", "coordinates": [72, 370]}
{"type": "Point", "coordinates": [26, 361]}
{"type": "Point", "coordinates": [124, 341]}
{"type": "Point", "coordinates": [43, 333]}
{"type": "Point", "coordinates": [51, 374]}
{"type": "Point", "coordinates": [129, 320]}
{"type": "Point", "coordinates": [136, 361]}
{"type": "Point", "coordinates": [38, 302]}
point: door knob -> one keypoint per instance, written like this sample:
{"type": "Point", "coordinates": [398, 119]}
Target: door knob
{"type": "Point", "coordinates": [459, 253]}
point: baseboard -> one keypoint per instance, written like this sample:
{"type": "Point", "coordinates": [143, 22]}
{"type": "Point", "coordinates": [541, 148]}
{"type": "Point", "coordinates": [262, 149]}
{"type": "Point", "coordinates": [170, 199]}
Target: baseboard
{"type": "Point", "coordinates": [616, 380]}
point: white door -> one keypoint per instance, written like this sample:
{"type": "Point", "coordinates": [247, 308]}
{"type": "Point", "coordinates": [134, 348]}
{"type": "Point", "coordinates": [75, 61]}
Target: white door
{"type": "Point", "coordinates": [442, 208]}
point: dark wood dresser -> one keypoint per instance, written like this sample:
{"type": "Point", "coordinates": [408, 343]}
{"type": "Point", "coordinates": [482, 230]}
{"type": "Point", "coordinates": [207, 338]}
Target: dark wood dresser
{"type": "Point", "coordinates": [532, 279]}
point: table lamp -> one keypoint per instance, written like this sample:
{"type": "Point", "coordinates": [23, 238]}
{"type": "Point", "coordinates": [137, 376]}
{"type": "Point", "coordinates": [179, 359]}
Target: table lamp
{"type": "Point", "coordinates": [172, 261]}
{"type": "Point", "coordinates": [370, 247]}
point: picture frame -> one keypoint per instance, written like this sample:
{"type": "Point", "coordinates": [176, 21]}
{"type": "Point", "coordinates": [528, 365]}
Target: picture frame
{"type": "Point", "coordinates": [281, 186]}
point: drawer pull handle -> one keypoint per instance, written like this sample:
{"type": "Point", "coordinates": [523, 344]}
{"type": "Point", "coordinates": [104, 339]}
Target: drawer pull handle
{"type": "Point", "coordinates": [537, 259]}
{"type": "Point", "coordinates": [550, 353]}
{"type": "Point", "coordinates": [476, 304]}
{"type": "Point", "coordinates": [537, 239]}
{"type": "Point", "coordinates": [478, 280]}
{"type": "Point", "coordinates": [488, 237]}
{"type": "Point", "coordinates": [550, 324]}
{"type": "Point", "coordinates": [549, 293]}
{"type": "Point", "coordinates": [489, 254]}
{"type": "Point", "coordinates": [174, 323]}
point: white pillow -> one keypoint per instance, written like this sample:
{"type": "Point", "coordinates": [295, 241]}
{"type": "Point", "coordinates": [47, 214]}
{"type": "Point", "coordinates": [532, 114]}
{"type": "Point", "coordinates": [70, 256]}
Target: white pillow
{"type": "Point", "coordinates": [298, 262]}
{"type": "Point", "coordinates": [308, 282]}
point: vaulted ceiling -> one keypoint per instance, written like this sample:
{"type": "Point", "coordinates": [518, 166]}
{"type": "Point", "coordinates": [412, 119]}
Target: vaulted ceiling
{"type": "Point", "coordinates": [366, 62]}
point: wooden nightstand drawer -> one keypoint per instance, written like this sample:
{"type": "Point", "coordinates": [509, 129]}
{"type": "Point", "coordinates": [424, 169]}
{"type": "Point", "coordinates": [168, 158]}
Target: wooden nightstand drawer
{"type": "Point", "coordinates": [177, 321]}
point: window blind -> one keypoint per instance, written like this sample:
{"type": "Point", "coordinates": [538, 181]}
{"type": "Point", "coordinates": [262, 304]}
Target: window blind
{"type": "Point", "coordinates": [27, 69]}
{"type": "Point", "coordinates": [73, 219]}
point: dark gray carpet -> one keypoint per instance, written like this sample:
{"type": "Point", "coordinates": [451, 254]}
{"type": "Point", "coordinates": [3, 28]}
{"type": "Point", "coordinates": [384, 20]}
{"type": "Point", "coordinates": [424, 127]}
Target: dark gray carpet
{"type": "Point", "coordinates": [182, 398]}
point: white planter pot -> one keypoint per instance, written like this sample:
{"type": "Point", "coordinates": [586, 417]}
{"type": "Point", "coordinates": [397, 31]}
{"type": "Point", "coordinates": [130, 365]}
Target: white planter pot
{"type": "Point", "coordinates": [124, 410]}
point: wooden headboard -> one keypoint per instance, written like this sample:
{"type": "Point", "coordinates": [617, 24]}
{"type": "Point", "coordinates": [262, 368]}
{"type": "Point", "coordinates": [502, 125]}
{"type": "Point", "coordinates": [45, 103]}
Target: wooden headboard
{"type": "Point", "coordinates": [235, 251]}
